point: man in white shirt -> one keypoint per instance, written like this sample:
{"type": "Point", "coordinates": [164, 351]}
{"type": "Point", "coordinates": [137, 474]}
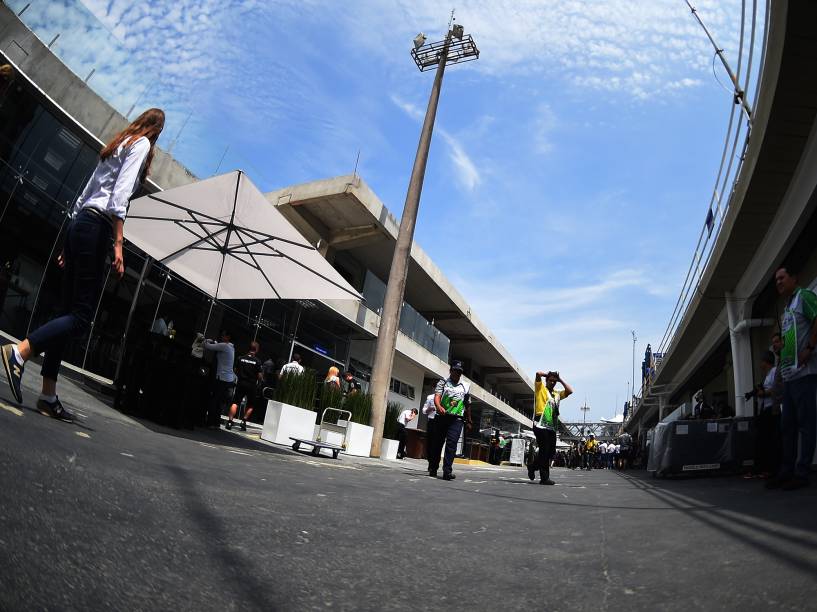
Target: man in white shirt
{"type": "Point", "coordinates": [603, 454]}
{"type": "Point", "coordinates": [402, 420]}
{"type": "Point", "coordinates": [434, 441]}
{"type": "Point", "coordinates": [293, 367]}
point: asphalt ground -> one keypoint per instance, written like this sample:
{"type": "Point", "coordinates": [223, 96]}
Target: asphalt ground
{"type": "Point", "coordinates": [114, 513]}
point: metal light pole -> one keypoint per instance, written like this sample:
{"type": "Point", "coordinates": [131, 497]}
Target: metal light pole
{"type": "Point", "coordinates": [456, 48]}
{"type": "Point", "coordinates": [584, 410]}
{"type": "Point", "coordinates": [632, 398]}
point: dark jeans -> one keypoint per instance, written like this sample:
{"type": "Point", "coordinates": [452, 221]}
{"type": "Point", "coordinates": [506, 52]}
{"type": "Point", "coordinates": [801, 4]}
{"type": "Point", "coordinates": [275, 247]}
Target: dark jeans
{"type": "Point", "coordinates": [450, 430]}
{"type": "Point", "coordinates": [546, 441]}
{"type": "Point", "coordinates": [768, 442]}
{"type": "Point", "coordinates": [86, 246]}
{"type": "Point", "coordinates": [434, 442]}
{"type": "Point", "coordinates": [222, 396]}
{"type": "Point", "coordinates": [799, 421]}
{"type": "Point", "coordinates": [401, 440]}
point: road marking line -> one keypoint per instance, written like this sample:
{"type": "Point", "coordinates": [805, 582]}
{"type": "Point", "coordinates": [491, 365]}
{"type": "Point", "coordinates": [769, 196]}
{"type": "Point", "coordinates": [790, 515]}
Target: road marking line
{"type": "Point", "coordinates": [11, 409]}
{"type": "Point", "coordinates": [240, 453]}
{"type": "Point", "coordinates": [126, 455]}
{"type": "Point", "coordinates": [82, 434]}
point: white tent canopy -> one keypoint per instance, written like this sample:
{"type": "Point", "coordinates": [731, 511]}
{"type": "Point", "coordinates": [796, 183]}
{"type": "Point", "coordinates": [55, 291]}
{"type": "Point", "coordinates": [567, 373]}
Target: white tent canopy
{"type": "Point", "coordinates": [616, 420]}
{"type": "Point", "coordinates": [222, 235]}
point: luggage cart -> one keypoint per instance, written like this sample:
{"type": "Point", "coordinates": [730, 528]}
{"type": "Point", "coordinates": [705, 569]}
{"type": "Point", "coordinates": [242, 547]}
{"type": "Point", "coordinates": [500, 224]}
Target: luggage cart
{"type": "Point", "coordinates": [340, 426]}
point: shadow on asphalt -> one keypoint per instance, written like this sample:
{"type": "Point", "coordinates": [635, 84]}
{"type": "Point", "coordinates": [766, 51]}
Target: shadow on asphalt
{"type": "Point", "coordinates": [216, 437]}
{"type": "Point", "coordinates": [718, 507]}
{"type": "Point", "coordinates": [237, 572]}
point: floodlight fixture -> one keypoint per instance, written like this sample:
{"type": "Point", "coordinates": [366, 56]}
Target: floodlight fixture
{"type": "Point", "coordinates": [419, 40]}
{"type": "Point", "coordinates": [457, 48]}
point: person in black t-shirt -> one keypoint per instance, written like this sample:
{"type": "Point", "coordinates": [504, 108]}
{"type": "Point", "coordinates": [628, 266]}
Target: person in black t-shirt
{"type": "Point", "coordinates": [248, 369]}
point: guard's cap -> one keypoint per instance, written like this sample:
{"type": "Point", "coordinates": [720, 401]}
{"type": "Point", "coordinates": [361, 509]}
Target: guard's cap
{"type": "Point", "coordinates": [457, 365]}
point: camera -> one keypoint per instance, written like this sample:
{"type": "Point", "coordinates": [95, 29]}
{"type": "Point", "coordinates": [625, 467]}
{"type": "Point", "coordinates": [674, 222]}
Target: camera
{"type": "Point", "coordinates": [753, 393]}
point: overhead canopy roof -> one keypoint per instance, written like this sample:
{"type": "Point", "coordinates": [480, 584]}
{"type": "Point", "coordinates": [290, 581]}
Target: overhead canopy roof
{"type": "Point", "coordinates": [345, 214]}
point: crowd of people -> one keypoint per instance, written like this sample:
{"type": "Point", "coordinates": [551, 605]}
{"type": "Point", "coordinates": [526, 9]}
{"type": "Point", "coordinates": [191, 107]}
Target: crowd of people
{"type": "Point", "coordinates": [588, 454]}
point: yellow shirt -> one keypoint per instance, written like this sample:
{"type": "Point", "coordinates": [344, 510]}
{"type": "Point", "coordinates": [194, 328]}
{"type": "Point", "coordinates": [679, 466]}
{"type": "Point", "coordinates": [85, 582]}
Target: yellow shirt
{"type": "Point", "coordinates": [542, 396]}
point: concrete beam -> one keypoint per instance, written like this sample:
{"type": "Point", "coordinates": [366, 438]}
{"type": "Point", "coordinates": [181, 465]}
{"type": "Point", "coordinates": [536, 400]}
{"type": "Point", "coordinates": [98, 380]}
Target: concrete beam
{"type": "Point", "coordinates": [351, 237]}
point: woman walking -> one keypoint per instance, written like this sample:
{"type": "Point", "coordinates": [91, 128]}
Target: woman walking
{"type": "Point", "coordinates": [98, 216]}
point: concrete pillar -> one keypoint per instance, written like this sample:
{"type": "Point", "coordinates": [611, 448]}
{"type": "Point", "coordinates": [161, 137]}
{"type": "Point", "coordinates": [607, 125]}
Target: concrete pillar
{"type": "Point", "coordinates": [741, 353]}
{"type": "Point", "coordinates": [662, 407]}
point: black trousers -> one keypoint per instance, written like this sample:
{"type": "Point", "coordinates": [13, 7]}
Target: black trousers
{"type": "Point", "coordinates": [434, 442]}
{"type": "Point", "coordinates": [401, 440]}
{"type": "Point", "coordinates": [769, 447]}
{"type": "Point", "coordinates": [222, 396]}
{"type": "Point", "coordinates": [546, 441]}
{"type": "Point", "coordinates": [450, 430]}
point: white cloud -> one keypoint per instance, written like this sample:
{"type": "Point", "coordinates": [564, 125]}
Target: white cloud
{"type": "Point", "coordinates": [641, 49]}
{"type": "Point", "coordinates": [464, 168]}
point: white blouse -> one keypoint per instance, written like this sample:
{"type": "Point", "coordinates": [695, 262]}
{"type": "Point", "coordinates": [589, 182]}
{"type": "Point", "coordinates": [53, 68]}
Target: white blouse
{"type": "Point", "coordinates": [115, 180]}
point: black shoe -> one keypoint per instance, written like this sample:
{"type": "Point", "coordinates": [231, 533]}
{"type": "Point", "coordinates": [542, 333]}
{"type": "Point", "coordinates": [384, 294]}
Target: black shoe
{"type": "Point", "coordinates": [798, 482]}
{"type": "Point", "coordinates": [229, 425]}
{"type": "Point", "coordinates": [547, 482]}
{"type": "Point", "coordinates": [531, 473]}
{"type": "Point", "coordinates": [14, 372]}
{"type": "Point", "coordinates": [449, 476]}
{"type": "Point", "coordinates": [55, 409]}
{"type": "Point", "coordinates": [243, 425]}
{"type": "Point", "coordinates": [432, 473]}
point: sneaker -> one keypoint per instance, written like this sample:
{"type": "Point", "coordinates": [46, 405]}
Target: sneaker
{"type": "Point", "coordinates": [547, 482]}
{"type": "Point", "coordinates": [243, 425]}
{"type": "Point", "coordinates": [798, 482]}
{"type": "Point", "coordinates": [449, 476]}
{"type": "Point", "coordinates": [532, 473]}
{"type": "Point", "coordinates": [229, 425]}
{"type": "Point", "coordinates": [14, 371]}
{"type": "Point", "coordinates": [432, 473]}
{"type": "Point", "coordinates": [55, 409]}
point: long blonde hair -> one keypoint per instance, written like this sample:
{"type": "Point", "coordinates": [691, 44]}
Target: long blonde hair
{"type": "Point", "coordinates": [149, 124]}
{"type": "Point", "coordinates": [332, 373]}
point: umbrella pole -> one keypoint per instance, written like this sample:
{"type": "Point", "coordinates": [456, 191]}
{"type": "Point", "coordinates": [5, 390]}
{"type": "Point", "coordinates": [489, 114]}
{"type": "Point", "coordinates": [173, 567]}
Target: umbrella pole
{"type": "Point", "coordinates": [159, 303]}
{"type": "Point", "coordinates": [258, 322]}
{"type": "Point", "coordinates": [230, 227]}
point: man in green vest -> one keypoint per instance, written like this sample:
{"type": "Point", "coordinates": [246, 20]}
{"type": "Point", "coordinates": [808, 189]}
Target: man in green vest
{"type": "Point", "coordinates": [546, 420]}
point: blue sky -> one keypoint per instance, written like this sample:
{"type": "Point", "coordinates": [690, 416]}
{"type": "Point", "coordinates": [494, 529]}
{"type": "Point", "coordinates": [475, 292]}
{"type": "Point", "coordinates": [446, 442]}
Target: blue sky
{"type": "Point", "coordinates": [575, 160]}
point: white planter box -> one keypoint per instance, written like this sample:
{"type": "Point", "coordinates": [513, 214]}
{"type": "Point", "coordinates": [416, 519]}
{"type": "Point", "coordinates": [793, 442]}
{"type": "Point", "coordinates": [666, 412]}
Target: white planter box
{"type": "Point", "coordinates": [358, 439]}
{"type": "Point", "coordinates": [283, 421]}
{"type": "Point", "coordinates": [388, 449]}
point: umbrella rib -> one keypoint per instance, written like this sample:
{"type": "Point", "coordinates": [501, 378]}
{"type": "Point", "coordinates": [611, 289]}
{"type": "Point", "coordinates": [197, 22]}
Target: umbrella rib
{"type": "Point", "coordinates": [318, 274]}
{"type": "Point", "coordinates": [258, 267]}
{"type": "Point", "coordinates": [193, 244]}
{"type": "Point", "coordinates": [190, 211]}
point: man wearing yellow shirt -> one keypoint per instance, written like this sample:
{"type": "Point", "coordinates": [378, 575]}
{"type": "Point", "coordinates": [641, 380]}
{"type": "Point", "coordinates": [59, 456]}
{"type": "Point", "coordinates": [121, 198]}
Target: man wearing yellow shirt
{"type": "Point", "coordinates": [546, 420]}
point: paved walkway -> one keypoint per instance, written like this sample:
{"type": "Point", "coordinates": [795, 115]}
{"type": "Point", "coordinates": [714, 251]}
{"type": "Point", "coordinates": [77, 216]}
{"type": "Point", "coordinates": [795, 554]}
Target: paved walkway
{"type": "Point", "coordinates": [117, 513]}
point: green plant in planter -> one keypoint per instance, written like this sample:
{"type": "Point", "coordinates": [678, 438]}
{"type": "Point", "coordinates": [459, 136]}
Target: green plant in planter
{"type": "Point", "coordinates": [329, 396]}
{"type": "Point", "coordinates": [393, 410]}
{"type": "Point", "coordinates": [360, 405]}
{"type": "Point", "coordinates": [297, 389]}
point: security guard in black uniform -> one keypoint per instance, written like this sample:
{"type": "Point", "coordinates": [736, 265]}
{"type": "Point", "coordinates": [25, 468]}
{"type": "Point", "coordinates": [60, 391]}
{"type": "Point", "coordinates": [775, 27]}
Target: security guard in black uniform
{"type": "Point", "coordinates": [249, 370]}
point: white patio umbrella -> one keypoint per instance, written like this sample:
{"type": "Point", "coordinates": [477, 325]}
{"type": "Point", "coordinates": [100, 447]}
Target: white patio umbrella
{"type": "Point", "coordinates": [223, 236]}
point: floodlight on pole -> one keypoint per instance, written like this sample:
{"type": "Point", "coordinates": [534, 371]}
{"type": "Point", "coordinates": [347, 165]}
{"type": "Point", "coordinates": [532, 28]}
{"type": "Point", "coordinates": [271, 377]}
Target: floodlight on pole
{"type": "Point", "coordinates": [456, 48]}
